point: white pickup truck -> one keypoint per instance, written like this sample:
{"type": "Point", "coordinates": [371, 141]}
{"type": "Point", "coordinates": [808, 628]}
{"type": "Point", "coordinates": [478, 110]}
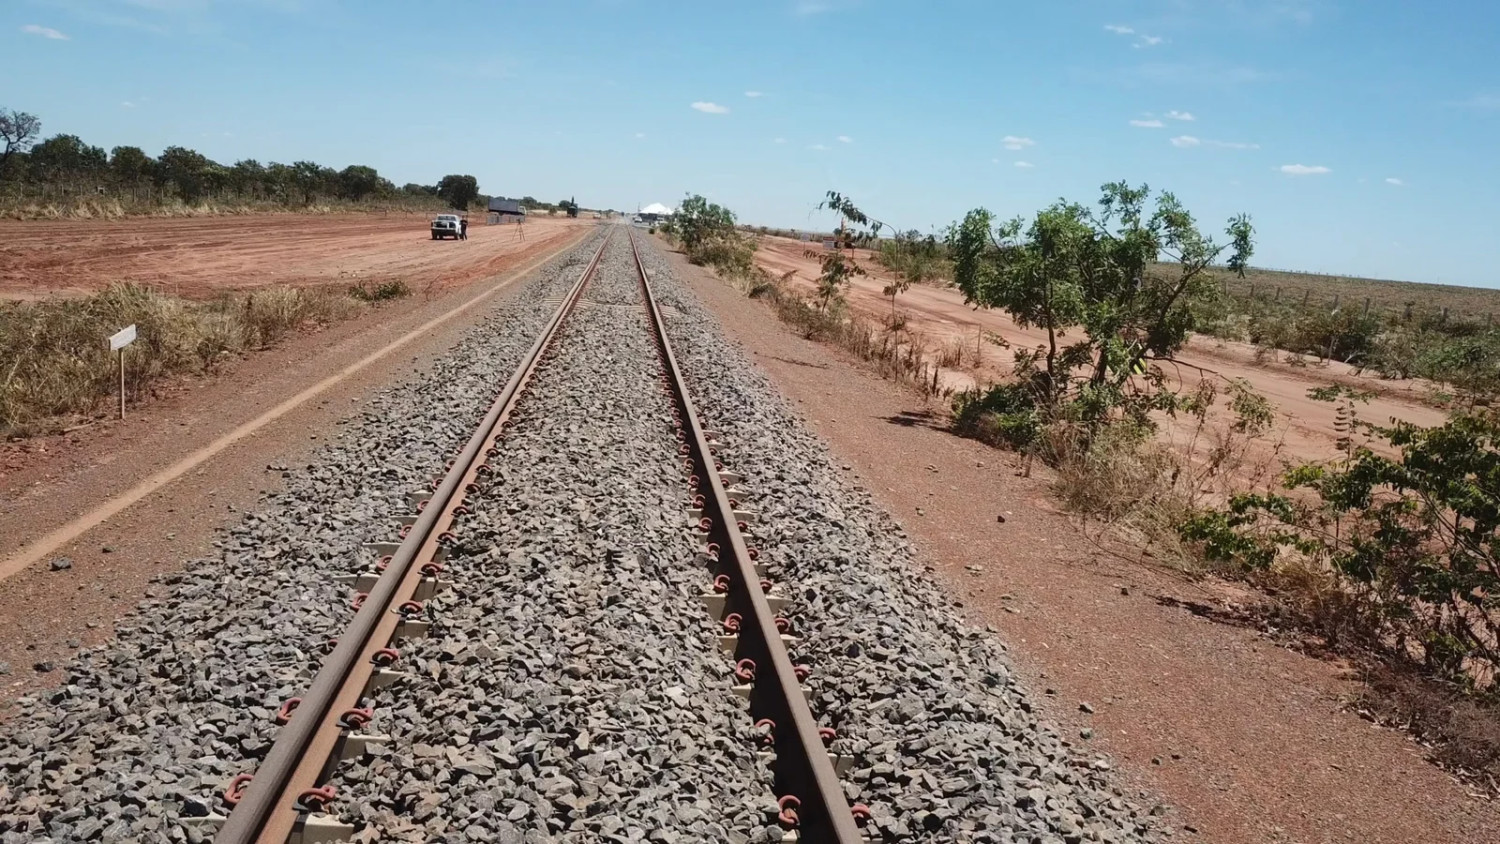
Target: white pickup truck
{"type": "Point", "coordinates": [446, 225]}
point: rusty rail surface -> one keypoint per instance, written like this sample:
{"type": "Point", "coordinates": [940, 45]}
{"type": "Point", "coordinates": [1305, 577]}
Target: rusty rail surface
{"type": "Point", "coordinates": [807, 784]}
{"type": "Point", "coordinates": [272, 804]}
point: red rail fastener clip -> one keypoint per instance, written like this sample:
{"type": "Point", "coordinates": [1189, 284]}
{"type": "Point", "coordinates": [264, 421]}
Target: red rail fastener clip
{"type": "Point", "coordinates": [385, 657]}
{"type": "Point", "coordinates": [788, 805]}
{"type": "Point", "coordinates": [410, 609]}
{"type": "Point", "coordinates": [236, 789]}
{"type": "Point", "coordinates": [861, 813]}
{"type": "Point", "coordinates": [712, 550]}
{"type": "Point", "coordinates": [732, 622]}
{"type": "Point", "coordinates": [422, 505]}
{"type": "Point", "coordinates": [721, 584]}
{"type": "Point", "coordinates": [827, 734]}
{"type": "Point", "coordinates": [783, 625]}
{"type": "Point", "coordinates": [353, 719]}
{"type": "Point", "coordinates": [765, 585]}
{"type": "Point", "coordinates": [432, 569]}
{"type": "Point", "coordinates": [359, 600]}
{"type": "Point", "coordinates": [316, 799]}
{"type": "Point", "coordinates": [744, 670]}
{"type": "Point", "coordinates": [802, 672]}
{"type": "Point", "coordinates": [447, 538]}
{"type": "Point", "coordinates": [705, 524]}
{"type": "Point", "coordinates": [768, 732]}
{"type": "Point", "coordinates": [284, 714]}
{"type": "Point", "coordinates": [384, 563]}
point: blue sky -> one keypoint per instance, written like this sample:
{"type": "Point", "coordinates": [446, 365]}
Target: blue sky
{"type": "Point", "coordinates": [1359, 135]}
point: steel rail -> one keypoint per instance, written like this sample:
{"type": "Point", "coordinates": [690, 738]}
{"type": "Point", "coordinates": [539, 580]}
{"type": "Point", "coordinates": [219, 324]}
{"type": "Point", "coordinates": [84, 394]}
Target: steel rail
{"type": "Point", "coordinates": [802, 767]}
{"type": "Point", "coordinates": [271, 805]}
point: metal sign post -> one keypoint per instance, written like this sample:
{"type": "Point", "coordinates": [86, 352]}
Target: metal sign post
{"type": "Point", "coordinates": [117, 343]}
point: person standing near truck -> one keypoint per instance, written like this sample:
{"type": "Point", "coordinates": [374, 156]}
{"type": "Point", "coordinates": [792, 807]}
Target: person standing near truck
{"type": "Point", "coordinates": [463, 229]}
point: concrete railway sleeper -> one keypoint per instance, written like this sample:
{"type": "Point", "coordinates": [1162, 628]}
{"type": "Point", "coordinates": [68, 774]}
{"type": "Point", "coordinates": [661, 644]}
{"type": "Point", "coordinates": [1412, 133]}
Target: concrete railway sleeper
{"type": "Point", "coordinates": [294, 793]}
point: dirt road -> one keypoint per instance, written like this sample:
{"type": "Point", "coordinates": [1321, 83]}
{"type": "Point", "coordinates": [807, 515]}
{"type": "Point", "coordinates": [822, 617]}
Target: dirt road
{"type": "Point", "coordinates": [940, 318]}
{"type": "Point", "coordinates": [199, 257]}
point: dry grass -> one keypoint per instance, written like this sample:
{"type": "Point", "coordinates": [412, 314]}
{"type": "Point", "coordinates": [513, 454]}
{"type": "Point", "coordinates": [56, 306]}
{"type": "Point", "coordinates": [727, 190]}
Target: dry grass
{"type": "Point", "coordinates": [58, 364]}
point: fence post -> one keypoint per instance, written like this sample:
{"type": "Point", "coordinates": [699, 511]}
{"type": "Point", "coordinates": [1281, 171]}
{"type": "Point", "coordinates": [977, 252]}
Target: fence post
{"type": "Point", "coordinates": [1277, 298]}
{"type": "Point", "coordinates": [1306, 297]}
{"type": "Point", "coordinates": [1336, 301]}
{"type": "Point", "coordinates": [1252, 291]}
{"type": "Point", "coordinates": [1406, 317]}
{"type": "Point", "coordinates": [1445, 316]}
{"type": "Point", "coordinates": [1367, 306]}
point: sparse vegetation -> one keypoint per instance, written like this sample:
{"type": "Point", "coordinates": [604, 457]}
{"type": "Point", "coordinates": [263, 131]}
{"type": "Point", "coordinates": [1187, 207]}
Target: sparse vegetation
{"type": "Point", "coordinates": [57, 364]}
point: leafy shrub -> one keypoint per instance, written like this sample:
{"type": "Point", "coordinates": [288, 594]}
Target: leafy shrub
{"type": "Point", "coordinates": [1410, 543]}
{"type": "Point", "coordinates": [1005, 415]}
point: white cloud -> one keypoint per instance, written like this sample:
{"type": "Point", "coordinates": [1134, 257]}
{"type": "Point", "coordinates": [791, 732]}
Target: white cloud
{"type": "Point", "coordinates": [711, 108]}
{"type": "Point", "coordinates": [1185, 141]}
{"type": "Point", "coordinates": [806, 8]}
{"type": "Point", "coordinates": [1395, 181]}
{"type": "Point", "coordinates": [754, 94]}
{"type": "Point", "coordinates": [1232, 145]}
{"type": "Point", "coordinates": [845, 139]}
{"type": "Point", "coordinates": [1185, 116]}
{"type": "Point", "coordinates": [994, 161]}
{"type": "Point", "coordinates": [1119, 30]}
{"type": "Point", "coordinates": [44, 31]}
{"type": "Point", "coordinates": [1011, 142]}
{"type": "Point", "coordinates": [1148, 41]}
{"type": "Point", "coordinates": [1304, 170]}
{"type": "Point", "coordinates": [818, 147]}
{"type": "Point", "coordinates": [127, 104]}
{"type": "Point", "coordinates": [779, 141]}
{"type": "Point", "coordinates": [640, 134]}
{"type": "Point", "coordinates": [1147, 124]}
{"type": "Point", "coordinates": [1025, 165]}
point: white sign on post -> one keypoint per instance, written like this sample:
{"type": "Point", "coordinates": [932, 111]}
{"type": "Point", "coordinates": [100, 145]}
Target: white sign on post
{"type": "Point", "coordinates": [117, 343]}
{"type": "Point", "coordinates": [124, 337]}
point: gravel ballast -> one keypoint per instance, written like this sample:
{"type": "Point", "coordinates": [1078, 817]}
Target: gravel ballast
{"type": "Point", "coordinates": [946, 743]}
{"type": "Point", "coordinates": [572, 689]}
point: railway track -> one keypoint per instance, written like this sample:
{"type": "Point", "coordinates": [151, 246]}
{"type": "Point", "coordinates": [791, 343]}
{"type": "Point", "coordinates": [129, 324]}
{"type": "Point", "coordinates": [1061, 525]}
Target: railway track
{"type": "Point", "coordinates": [289, 796]}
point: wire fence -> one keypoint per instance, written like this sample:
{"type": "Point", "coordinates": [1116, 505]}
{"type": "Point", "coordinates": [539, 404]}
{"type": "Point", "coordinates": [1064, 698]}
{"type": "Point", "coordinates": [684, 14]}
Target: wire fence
{"type": "Point", "coordinates": [1307, 299]}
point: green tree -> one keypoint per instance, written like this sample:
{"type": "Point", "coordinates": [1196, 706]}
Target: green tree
{"type": "Point", "coordinates": [248, 178]}
{"type": "Point", "coordinates": [183, 170]}
{"type": "Point", "coordinates": [699, 221]}
{"type": "Point", "coordinates": [358, 182]}
{"type": "Point", "coordinates": [1074, 268]}
{"type": "Point", "coordinates": [19, 131]}
{"type": "Point", "coordinates": [66, 158]}
{"type": "Point", "coordinates": [130, 166]}
{"type": "Point", "coordinates": [458, 191]}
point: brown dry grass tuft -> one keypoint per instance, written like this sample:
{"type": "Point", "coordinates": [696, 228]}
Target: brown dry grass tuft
{"type": "Point", "coordinates": [58, 364]}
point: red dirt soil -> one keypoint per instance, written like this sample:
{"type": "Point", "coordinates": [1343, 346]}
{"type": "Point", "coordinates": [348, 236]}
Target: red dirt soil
{"type": "Point", "coordinates": [200, 257]}
{"type": "Point", "coordinates": [941, 318]}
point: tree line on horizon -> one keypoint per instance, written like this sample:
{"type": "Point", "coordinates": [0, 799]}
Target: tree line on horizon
{"type": "Point", "coordinates": [65, 168]}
